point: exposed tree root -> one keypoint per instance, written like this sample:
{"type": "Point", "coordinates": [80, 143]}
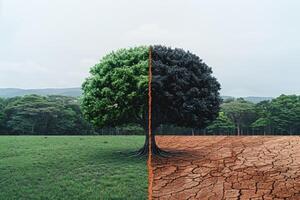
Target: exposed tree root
{"type": "Point", "coordinates": [156, 151]}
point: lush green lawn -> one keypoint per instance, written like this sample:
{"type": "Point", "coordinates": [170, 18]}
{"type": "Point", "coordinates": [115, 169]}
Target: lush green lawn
{"type": "Point", "coordinates": [71, 167]}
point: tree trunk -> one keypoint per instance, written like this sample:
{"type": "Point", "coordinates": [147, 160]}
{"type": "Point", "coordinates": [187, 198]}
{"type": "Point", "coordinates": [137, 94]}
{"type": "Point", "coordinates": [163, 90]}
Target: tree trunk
{"type": "Point", "coordinates": [156, 151]}
{"type": "Point", "coordinates": [238, 130]}
{"type": "Point", "coordinates": [32, 128]}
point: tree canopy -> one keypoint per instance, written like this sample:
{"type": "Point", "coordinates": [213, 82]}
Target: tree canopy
{"type": "Point", "coordinates": [285, 114]}
{"type": "Point", "coordinates": [278, 116]}
{"type": "Point", "coordinates": [116, 92]}
{"type": "Point", "coordinates": [2, 107]}
{"type": "Point", "coordinates": [221, 125]}
{"type": "Point", "coordinates": [33, 114]}
{"type": "Point", "coordinates": [241, 112]}
{"type": "Point", "coordinates": [184, 92]}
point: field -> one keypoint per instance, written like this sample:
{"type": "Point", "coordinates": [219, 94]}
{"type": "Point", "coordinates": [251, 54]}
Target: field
{"type": "Point", "coordinates": [232, 168]}
{"type": "Point", "coordinates": [71, 167]}
{"type": "Point", "coordinates": [99, 167]}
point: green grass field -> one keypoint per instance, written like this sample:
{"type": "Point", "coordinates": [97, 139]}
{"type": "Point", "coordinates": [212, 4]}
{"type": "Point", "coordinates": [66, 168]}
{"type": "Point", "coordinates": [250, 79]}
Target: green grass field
{"type": "Point", "coordinates": [71, 167]}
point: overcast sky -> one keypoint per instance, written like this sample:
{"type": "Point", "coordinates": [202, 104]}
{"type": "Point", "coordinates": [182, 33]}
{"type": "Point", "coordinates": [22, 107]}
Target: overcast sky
{"type": "Point", "coordinates": [253, 46]}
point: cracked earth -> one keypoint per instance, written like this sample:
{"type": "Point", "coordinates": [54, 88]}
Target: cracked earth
{"type": "Point", "coordinates": [228, 167]}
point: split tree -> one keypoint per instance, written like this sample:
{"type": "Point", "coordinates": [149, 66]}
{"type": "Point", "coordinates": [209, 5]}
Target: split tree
{"type": "Point", "coordinates": [184, 92]}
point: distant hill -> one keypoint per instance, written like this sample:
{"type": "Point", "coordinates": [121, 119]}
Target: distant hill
{"type": "Point", "coordinates": [258, 99]}
{"type": "Point", "coordinates": [251, 99]}
{"type": "Point", "coordinates": [13, 92]}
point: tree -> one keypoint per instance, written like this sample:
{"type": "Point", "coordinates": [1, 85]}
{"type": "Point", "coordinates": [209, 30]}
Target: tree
{"type": "Point", "coordinates": [30, 114]}
{"type": "Point", "coordinates": [33, 114]}
{"type": "Point", "coordinates": [69, 119]}
{"type": "Point", "coordinates": [241, 112]}
{"type": "Point", "coordinates": [261, 123]}
{"type": "Point", "coordinates": [285, 114]}
{"type": "Point", "coordinates": [183, 91]}
{"type": "Point", "coordinates": [263, 113]}
{"type": "Point", "coordinates": [2, 122]}
{"type": "Point", "coordinates": [221, 125]}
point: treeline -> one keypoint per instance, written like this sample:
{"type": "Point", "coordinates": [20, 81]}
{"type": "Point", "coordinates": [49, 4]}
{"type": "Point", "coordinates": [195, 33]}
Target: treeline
{"type": "Point", "coordinates": [61, 115]}
{"type": "Point", "coordinates": [51, 115]}
{"type": "Point", "coordinates": [280, 116]}
{"type": "Point", "coordinates": [37, 115]}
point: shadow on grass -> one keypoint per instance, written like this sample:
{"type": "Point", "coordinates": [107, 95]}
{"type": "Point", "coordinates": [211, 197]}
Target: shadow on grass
{"type": "Point", "coordinates": [123, 156]}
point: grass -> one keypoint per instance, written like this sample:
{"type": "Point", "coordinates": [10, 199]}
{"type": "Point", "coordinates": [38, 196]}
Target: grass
{"type": "Point", "coordinates": [71, 167]}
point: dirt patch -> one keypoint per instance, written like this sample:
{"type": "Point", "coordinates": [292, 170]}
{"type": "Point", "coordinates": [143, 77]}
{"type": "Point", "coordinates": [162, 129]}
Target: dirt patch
{"type": "Point", "coordinates": [221, 167]}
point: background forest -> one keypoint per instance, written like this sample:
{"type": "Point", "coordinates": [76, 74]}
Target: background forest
{"type": "Point", "coordinates": [62, 115]}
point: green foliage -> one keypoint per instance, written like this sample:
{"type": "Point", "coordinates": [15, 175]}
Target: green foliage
{"type": "Point", "coordinates": [2, 106]}
{"type": "Point", "coordinates": [241, 112]}
{"type": "Point", "coordinates": [24, 114]}
{"type": "Point", "coordinates": [279, 116]}
{"type": "Point", "coordinates": [75, 168]}
{"type": "Point", "coordinates": [221, 125]}
{"type": "Point", "coordinates": [263, 121]}
{"type": "Point", "coordinates": [116, 92]}
{"type": "Point", "coordinates": [285, 114]}
{"type": "Point", "coordinates": [260, 123]}
{"type": "Point", "coordinates": [33, 114]}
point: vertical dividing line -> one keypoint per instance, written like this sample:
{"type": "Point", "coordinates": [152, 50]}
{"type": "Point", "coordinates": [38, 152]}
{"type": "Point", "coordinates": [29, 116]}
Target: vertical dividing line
{"type": "Point", "coordinates": [149, 162]}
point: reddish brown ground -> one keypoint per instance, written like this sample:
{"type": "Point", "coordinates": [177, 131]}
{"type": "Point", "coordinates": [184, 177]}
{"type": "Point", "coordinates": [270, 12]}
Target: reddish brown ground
{"type": "Point", "coordinates": [228, 168]}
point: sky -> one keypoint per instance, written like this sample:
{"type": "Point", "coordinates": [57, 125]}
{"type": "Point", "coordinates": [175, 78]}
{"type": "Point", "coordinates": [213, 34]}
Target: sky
{"type": "Point", "coordinates": [253, 46]}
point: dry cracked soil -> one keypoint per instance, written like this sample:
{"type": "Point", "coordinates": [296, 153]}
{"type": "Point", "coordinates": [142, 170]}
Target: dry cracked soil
{"type": "Point", "coordinates": [228, 167]}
